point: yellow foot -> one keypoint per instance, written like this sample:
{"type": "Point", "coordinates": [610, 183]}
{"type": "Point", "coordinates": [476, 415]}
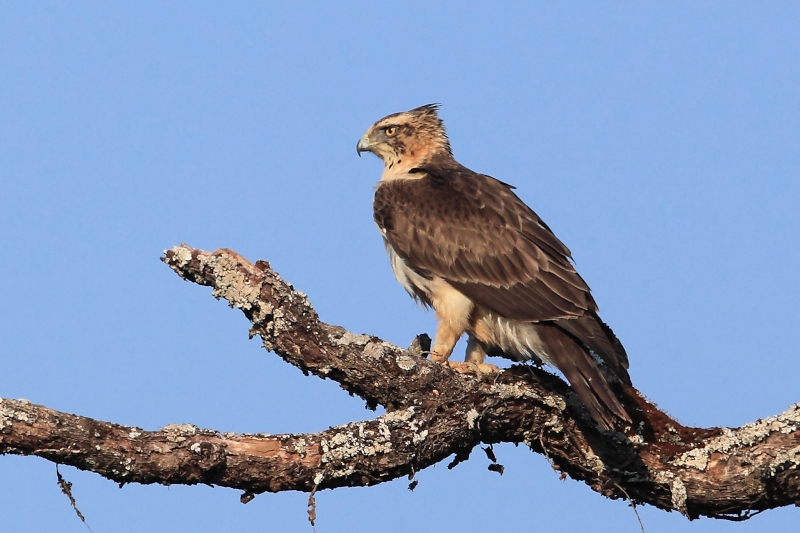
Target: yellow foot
{"type": "Point", "coordinates": [471, 368]}
{"type": "Point", "coordinates": [486, 368]}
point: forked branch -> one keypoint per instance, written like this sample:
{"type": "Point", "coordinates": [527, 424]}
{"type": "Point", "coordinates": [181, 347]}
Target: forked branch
{"type": "Point", "coordinates": [432, 413]}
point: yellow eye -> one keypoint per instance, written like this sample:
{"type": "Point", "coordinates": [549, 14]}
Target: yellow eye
{"type": "Point", "coordinates": [391, 130]}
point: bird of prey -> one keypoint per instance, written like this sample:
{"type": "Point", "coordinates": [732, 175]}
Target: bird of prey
{"type": "Point", "coordinates": [464, 244]}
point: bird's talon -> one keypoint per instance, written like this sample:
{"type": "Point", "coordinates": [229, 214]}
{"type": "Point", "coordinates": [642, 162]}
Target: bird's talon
{"type": "Point", "coordinates": [466, 367]}
{"type": "Point", "coordinates": [486, 368]}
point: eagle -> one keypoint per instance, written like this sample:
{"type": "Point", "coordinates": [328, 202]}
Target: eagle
{"type": "Point", "coordinates": [465, 245]}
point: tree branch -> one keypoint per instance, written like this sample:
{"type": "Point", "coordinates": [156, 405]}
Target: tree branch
{"type": "Point", "coordinates": [432, 413]}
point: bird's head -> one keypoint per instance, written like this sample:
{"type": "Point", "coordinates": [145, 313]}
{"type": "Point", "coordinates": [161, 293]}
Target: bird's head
{"type": "Point", "coordinates": [407, 139]}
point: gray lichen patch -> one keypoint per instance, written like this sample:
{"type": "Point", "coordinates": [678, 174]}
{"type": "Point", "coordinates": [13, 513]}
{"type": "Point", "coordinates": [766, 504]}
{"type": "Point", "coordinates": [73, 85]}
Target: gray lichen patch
{"type": "Point", "coordinates": [337, 450]}
{"type": "Point", "coordinates": [367, 440]}
{"type": "Point", "coordinates": [678, 490]}
{"type": "Point", "coordinates": [372, 349]}
{"type": "Point", "coordinates": [401, 415]}
{"type": "Point", "coordinates": [262, 312]}
{"type": "Point", "coordinates": [419, 436]}
{"type": "Point", "coordinates": [516, 391]}
{"type": "Point", "coordinates": [472, 417]}
{"type": "Point", "coordinates": [179, 432]}
{"type": "Point", "coordinates": [554, 424]}
{"type": "Point", "coordinates": [352, 339]}
{"type": "Point", "coordinates": [733, 440]}
{"type": "Point", "coordinates": [8, 415]}
{"type": "Point", "coordinates": [299, 446]}
{"type": "Point", "coordinates": [406, 362]}
{"type": "Point", "coordinates": [375, 350]}
{"type": "Point", "coordinates": [696, 459]}
{"type": "Point", "coordinates": [196, 448]}
{"type": "Point", "coordinates": [232, 284]}
{"type": "Point", "coordinates": [785, 460]}
{"type": "Point", "coordinates": [593, 461]}
{"type": "Point", "coordinates": [270, 330]}
{"type": "Point", "coordinates": [181, 256]}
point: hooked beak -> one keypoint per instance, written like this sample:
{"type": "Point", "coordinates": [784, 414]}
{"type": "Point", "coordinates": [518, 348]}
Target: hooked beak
{"type": "Point", "coordinates": [363, 145]}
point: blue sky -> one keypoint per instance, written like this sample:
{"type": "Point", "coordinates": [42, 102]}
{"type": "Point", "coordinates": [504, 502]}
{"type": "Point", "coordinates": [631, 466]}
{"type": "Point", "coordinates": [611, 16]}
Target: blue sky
{"type": "Point", "coordinates": [660, 142]}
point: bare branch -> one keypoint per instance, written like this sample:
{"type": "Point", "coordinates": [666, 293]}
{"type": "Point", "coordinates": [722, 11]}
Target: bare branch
{"type": "Point", "coordinates": [432, 413]}
{"type": "Point", "coordinates": [363, 453]}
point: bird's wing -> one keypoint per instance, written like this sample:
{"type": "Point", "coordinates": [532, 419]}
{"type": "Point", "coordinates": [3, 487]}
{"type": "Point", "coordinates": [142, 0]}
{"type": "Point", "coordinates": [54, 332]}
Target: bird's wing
{"type": "Point", "coordinates": [474, 232]}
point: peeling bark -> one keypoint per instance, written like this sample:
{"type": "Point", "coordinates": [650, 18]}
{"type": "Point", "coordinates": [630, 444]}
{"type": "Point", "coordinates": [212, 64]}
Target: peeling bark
{"type": "Point", "coordinates": [432, 413]}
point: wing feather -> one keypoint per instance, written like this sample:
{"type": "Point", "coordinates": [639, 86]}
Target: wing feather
{"type": "Point", "coordinates": [474, 232]}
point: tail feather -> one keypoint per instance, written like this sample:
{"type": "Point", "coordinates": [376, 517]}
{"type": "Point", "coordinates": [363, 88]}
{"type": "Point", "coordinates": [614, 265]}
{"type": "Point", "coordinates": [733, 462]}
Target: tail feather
{"type": "Point", "coordinates": [592, 332]}
{"type": "Point", "coordinates": [567, 354]}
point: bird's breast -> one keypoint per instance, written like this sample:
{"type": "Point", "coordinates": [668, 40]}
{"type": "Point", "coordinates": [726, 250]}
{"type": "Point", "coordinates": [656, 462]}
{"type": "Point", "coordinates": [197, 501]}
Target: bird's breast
{"type": "Point", "coordinates": [416, 285]}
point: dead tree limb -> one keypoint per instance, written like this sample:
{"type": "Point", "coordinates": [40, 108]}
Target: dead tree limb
{"type": "Point", "coordinates": [432, 413]}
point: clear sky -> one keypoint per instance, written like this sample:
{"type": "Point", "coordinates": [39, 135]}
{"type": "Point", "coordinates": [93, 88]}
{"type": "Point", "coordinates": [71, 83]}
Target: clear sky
{"type": "Point", "coordinates": [660, 142]}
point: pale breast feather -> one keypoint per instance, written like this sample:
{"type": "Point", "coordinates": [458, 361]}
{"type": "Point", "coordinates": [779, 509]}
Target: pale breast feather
{"type": "Point", "coordinates": [414, 284]}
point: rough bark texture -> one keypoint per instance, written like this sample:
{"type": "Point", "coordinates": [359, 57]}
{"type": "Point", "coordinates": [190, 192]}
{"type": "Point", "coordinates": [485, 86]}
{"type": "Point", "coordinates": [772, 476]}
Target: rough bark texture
{"type": "Point", "coordinates": [432, 413]}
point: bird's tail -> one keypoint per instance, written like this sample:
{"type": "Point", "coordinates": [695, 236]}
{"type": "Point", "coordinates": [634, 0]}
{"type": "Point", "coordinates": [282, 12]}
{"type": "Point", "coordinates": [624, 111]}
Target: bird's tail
{"type": "Point", "coordinates": [583, 374]}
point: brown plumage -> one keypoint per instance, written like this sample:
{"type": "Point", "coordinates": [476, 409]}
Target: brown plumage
{"type": "Point", "coordinates": [466, 245]}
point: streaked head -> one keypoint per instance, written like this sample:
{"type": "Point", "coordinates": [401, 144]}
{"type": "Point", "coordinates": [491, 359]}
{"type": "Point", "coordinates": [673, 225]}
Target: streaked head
{"type": "Point", "coordinates": [412, 137]}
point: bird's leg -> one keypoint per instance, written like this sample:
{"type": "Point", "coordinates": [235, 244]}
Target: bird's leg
{"type": "Point", "coordinates": [446, 338]}
{"type": "Point", "coordinates": [454, 311]}
{"type": "Point", "coordinates": [476, 355]}
{"type": "Point", "coordinates": [475, 352]}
